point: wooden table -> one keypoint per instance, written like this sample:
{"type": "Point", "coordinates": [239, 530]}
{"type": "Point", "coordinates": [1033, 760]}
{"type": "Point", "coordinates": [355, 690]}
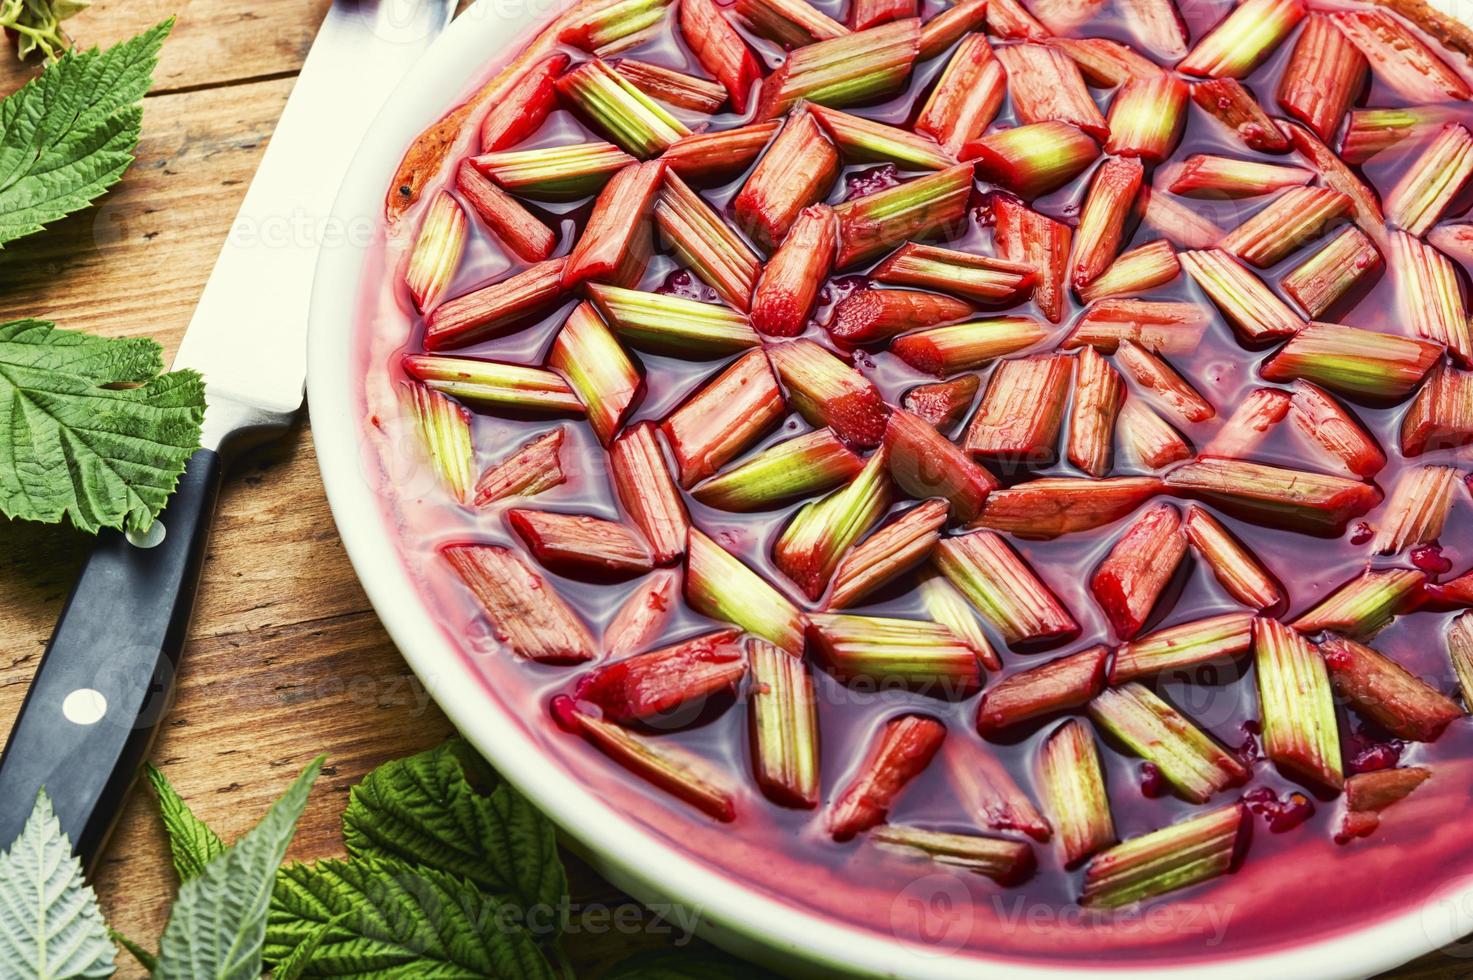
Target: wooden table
{"type": "Point", "coordinates": [286, 659]}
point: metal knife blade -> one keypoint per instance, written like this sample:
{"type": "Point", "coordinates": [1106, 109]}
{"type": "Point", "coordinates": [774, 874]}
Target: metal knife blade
{"type": "Point", "coordinates": [248, 335]}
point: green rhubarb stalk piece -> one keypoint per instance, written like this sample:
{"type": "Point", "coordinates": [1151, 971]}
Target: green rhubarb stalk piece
{"type": "Point", "coordinates": [437, 251]}
{"type": "Point", "coordinates": [1166, 860]}
{"type": "Point", "coordinates": [532, 468]}
{"type": "Point", "coordinates": [929, 205]}
{"type": "Point", "coordinates": [1296, 500]}
{"type": "Point", "coordinates": [1099, 392]}
{"type": "Point", "coordinates": [1353, 361]}
{"type": "Point", "coordinates": [705, 243]}
{"type": "Point", "coordinates": [885, 652]}
{"type": "Point", "coordinates": [1176, 648]}
{"type": "Point", "coordinates": [947, 350]}
{"type": "Point", "coordinates": [866, 140]}
{"type": "Point", "coordinates": [890, 552]}
{"type": "Point", "coordinates": [1138, 271]}
{"type": "Point", "coordinates": [1363, 606]}
{"type": "Point", "coordinates": [784, 726]}
{"type": "Point", "coordinates": [664, 324]}
{"type": "Point", "coordinates": [1317, 282]}
{"type": "Point", "coordinates": [1236, 569]}
{"type": "Point", "coordinates": [1296, 704]}
{"type": "Point", "coordinates": [1008, 862]}
{"type": "Point", "coordinates": [622, 112]}
{"type": "Point", "coordinates": [979, 278]}
{"type": "Point", "coordinates": [589, 356]}
{"type": "Point", "coordinates": [1014, 600]}
{"type": "Point", "coordinates": [844, 70]}
{"type": "Point", "coordinates": [444, 429]}
{"type": "Point", "coordinates": [1384, 691]}
{"type": "Point", "coordinates": [945, 605]}
{"type": "Point", "coordinates": [1072, 784]}
{"type": "Point", "coordinates": [1186, 756]}
{"type": "Point", "coordinates": [809, 549]}
{"type": "Point", "coordinates": [1032, 160]}
{"type": "Point", "coordinates": [1429, 296]}
{"type": "Point", "coordinates": [720, 585]}
{"type": "Point", "coordinates": [493, 385]}
{"type": "Point", "coordinates": [789, 470]}
{"type": "Point", "coordinates": [1244, 38]}
{"type": "Point", "coordinates": [828, 392]}
{"type": "Point", "coordinates": [554, 173]}
{"type": "Point", "coordinates": [1417, 510]}
{"type": "Point", "coordinates": [1371, 132]}
{"type": "Point", "coordinates": [1146, 117]}
{"type": "Point", "coordinates": [613, 27]}
{"type": "Point", "coordinates": [1250, 306]}
{"type": "Point", "coordinates": [1050, 506]}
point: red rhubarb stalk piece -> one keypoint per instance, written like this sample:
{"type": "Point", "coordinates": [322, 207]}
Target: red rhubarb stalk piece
{"type": "Point", "coordinates": [1010, 19]}
{"type": "Point", "coordinates": [1209, 176]}
{"type": "Point", "coordinates": [1112, 192]}
{"type": "Point", "coordinates": [1433, 181]}
{"type": "Point", "coordinates": [942, 403]}
{"type": "Point", "coordinates": [1384, 691]}
{"type": "Point", "coordinates": [621, 213]}
{"type": "Point", "coordinates": [1141, 563]}
{"type": "Point", "coordinates": [1317, 282]}
{"type": "Point", "coordinates": [1256, 314]}
{"type": "Point", "coordinates": [790, 23]}
{"type": "Point", "coordinates": [1032, 160]}
{"type": "Point", "coordinates": [525, 107]}
{"type": "Point", "coordinates": [579, 545]}
{"type": "Point", "coordinates": [1371, 132]}
{"type": "Point", "coordinates": [705, 243]}
{"type": "Point", "coordinates": [1053, 505]}
{"type": "Point", "coordinates": [644, 615]}
{"type": "Point", "coordinates": [1364, 206]}
{"type": "Point", "coordinates": [1256, 415]}
{"type": "Point", "coordinates": [674, 88]}
{"type": "Point", "coordinates": [789, 285]}
{"type": "Point", "coordinates": [828, 392]}
{"type": "Point", "coordinates": [1073, 789]}
{"type": "Point", "coordinates": [720, 50]}
{"type": "Point", "coordinates": [649, 496]}
{"type": "Point", "coordinates": [890, 552]}
{"type": "Point", "coordinates": [1400, 58]}
{"type": "Point", "coordinates": [705, 156]}
{"type": "Point", "coordinates": [1236, 569]}
{"type": "Point", "coordinates": [1158, 26]}
{"type": "Point", "coordinates": [1180, 225]}
{"type": "Point", "coordinates": [1367, 794]}
{"type": "Point", "coordinates": [1334, 429]}
{"type": "Point", "coordinates": [1297, 216]}
{"type": "Point", "coordinates": [726, 416]}
{"type": "Point", "coordinates": [1045, 86]}
{"type": "Point", "coordinates": [1417, 510]}
{"type": "Point", "coordinates": [988, 791]}
{"type": "Point", "coordinates": [1159, 382]}
{"type": "Point", "coordinates": [533, 467]}
{"type": "Point", "coordinates": [1099, 392]}
{"type": "Point", "coordinates": [901, 749]}
{"type": "Point", "coordinates": [608, 28]}
{"type": "Point", "coordinates": [797, 170]}
{"type": "Point", "coordinates": [1234, 106]}
{"type": "Point", "coordinates": [1021, 411]}
{"type": "Point", "coordinates": [647, 686]}
{"type": "Point", "coordinates": [494, 309]}
{"type": "Point", "coordinates": [1059, 685]}
{"type": "Point", "coordinates": [1105, 63]}
{"type": "Point", "coordinates": [1325, 73]}
{"type": "Point", "coordinates": [1163, 327]}
{"type": "Point", "coordinates": [1310, 503]}
{"type": "Point", "coordinates": [1148, 438]}
{"type": "Point", "coordinates": [512, 224]}
{"type": "Point", "coordinates": [967, 97]}
{"type": "Point", "coordinates": [873, 316]}
{"type": "Point", "coordinates": [1429, 296]}
{"type": "Point", "coordinates": [864, 14]}
{"type": "Point", "coordinates": [1025, 236]}
{"type": "Point", "coordinates": [1441, 415]}
{"type": "Point", "coordinates": [943, 29]}
{"type": "Point", "coordinates": [924, 463]}
{"type": "Point", "coordinates": [525, 612]}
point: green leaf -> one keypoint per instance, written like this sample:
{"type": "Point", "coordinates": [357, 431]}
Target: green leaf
{"type": "Point", "coordinates": [191, 842]}
{"type": "Point", "coordinates": [295, 965]}
{"type": "Point", "coordinates": [89, 430]}
{"type": "Point", "coordinates": [701, 963]}
{"type": "Point", "coordinates": [424, 810]}
{"type": "Point", "coordinates": [145, 959]}
{"type": "Point", "coordinates": [398, 921]}
{"type": "Point", "coordinates": [50, 925]}
{"type": "Point", "coordinates": [218, 922]}
{"type": "Point", "coordinates": [68, 134]}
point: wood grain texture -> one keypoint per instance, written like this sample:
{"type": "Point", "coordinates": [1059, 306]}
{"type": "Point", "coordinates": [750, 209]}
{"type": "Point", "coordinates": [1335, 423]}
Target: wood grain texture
{"type": "Point", "coordinates": [286, 659]}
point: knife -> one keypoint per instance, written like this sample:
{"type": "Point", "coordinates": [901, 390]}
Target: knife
{"type": "Point", "coordinates": [107, 678]}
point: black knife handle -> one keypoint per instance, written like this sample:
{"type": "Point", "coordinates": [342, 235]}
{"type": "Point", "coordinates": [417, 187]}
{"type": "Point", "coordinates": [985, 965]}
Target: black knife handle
{"type": "Point", "coordinates": [107, 678]}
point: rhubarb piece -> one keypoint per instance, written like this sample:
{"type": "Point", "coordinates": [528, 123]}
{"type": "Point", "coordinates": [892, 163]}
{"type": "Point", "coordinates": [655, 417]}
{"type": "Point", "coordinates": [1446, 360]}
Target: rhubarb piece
{"type": "Point", "coordinates": [489, 384]}
{"type": "Point", "coordinates": [720, 585]}
{"type": "Point", "coordinates": [642, 688]}
{"type": "Point", "coordinates": [525, 612]}
{"type": "Point", "coordinates": [596, 367]}
{"type": "Point", "coordinates": [797, 170]}
{"type": "Point", "coordinates": [1207, 175]}
{"type": "Point", "coordinates": [828, 392]}
{"type": "Point", "coordinates": [1369, 793]}
{"type": "Point", "coordinates": [554, 173]}
{"type": "Point", "coordinates": [1429, 297]}
{"type": "Point", "coordinates": [789, 285]}
{"type": "Point", "coordinates": [512, 224]}
{"type": "Point", "coordinates": [1352, 361]}
{"type": "Point", "coordinates": [1073, 789]}
{"type": "Point", "coordinates": [873, 316]}
{"type": "Point", "coordinates": [1400, 59]}
{"type": "Point", "coordinates": [943, 29]}
{"type": "Point", "coordinates": [1384, 691]}
{"type": "Point", "coordinates": [945, 605]}
{"type": "Point", "coordinates": [437, 251]}
{"type": "Point", "coordinates": [642, 482]}
{"type": "Point", "coordinates": [1292, 219]}
{"type": "Point", "coordinates": [1243, 39]}
{"type": "Point", "coordinates": [1102, 221]}
{"type": "Point", "coordinates": [790, 470]}
{"type": "Point", "coordinates": [1324, 74]}
{"type": "Point", "coordinates": [900, 751]}
{"type": "Point", "coordinates": [1010, 19]}
{"type": "Point", "coordinates": [988, 792]}
{"type": "Point", "coordinates": [1364, 206]}
{"type": "Point", "coordinates": [811, 546]}
{"type": "Point", "coordinates": [665, 324]}
{"type": "Point", "coordinates": [725, 417]}
{"type": "Point", "coordinates": [620, 214]}
{"type": "Point", "coordinates": [844, 71]}
{"type": "Point", "coordinates": [1065, 16]}
{"type": "Point", "coordinates": [1329, 425]}
{"type": "Point", "coordinates": [1182, 226]}
{"type": "Point", "coordinates": [1317, 282]}
{"type": "Point", "coordinates": [924, 463]}
{"type": "Point", "coordinates": [1417, 510]}
{"type": "Point", "coordinates": [678, 772]}
{"type": "Point", "coordinates": [1051, 506]}
{"type": "Point", "coordinates": [1250, 306]}
{"type": "Point", "coordinates": [1161, 384]}
{"type": "Point", "coordinates": [1146, 116]}
{"type": "Point", "coordinates": [1188, 758]}
{"type": "Point", "coordinates": [1158, 326]}
{"type": "Point", "coordinates": [1158, 26]}
{"type": "Point", "coordinates": [943, 403]}
{"type": "Point", "coordinates": [1297, 707]}
{"type": "Point", "coordinates": [1460, 652]}
{"type": "Point", "coordinates": [525, 107]}
{"type": "Point", "coordinates": [672, 87]}
{"type": "Point", "coordinates": [1106, 63]}
{"type": "Point", "coordinates": [891, 551]}
{"type": "Point", "coordinates": [580, 546]}
{"type": "Point", "coordinates": [1371, 132]}
{"type": "Point", "coordinates": [784, 726]}
{"type": "Point", "coordinates": [1098, 395]}
{"type": "Point", "coordinates": [883, 652]}
{"type": "Point", "coordinates": [495, 308]}
{"type": "Point", "coordinates": [947, 350]}
{"type": "Point", "coordinates": [1023, 235]}
{"type": "Point", "coordinates": [1442, 413]}
{"type": "Point", "coordinates": [613, 27]}
{"type": "Point", "coordinates": [790, 23]}
{"type": "Point", "coordinates": [1148, 437]}
{"type": "Point", "coordinates": [533, 467]}
{"type": "Point", "coordinates": [1128, 583]}
{"type": "Point", "coordinates": [1032, 160]}
{"type": "Point", "coordinates": [966, 98]}
{"type": "Point", "coordinates": [1059, 685]}
{"type": "Point", "coordinates": [1166, 860]}
{"type": "Point", "coordinates": [633, 120]}
{"type": "Point", "coordinates": [1236, 569]}
{"type": "Point", "coordinates": [1453, 594]}
{"type": "Point", "coordinates": [704, 156]}
{"type": "Point", "coordinates": [1363, 606]}
{"type": "Point", "coordinates": [1021, 410]}
{"type": "Point", "coordinates": [720, 50]}
{"type": "Point", "coordinates": [1311, 503]}
{"type": "Point", "coordinates": [705, 243]}
{"type": "Point", "coordinates": [1045, 86]}
{"type": "Point", "coordinates": [1234, 106]}
{"type": "Point", "coordinates": [444, 429]}
{"type": "Point", "coordinates": [1138, 271]}
{"type": "Point", "coordinates": [866, 140]}
{"type": "Point", "coordinates": [1430, 184]}
{"type": "Point", "coordinates": [933, 204]}
{"type": "Point", "coordinates": [1008, 862]}
{"type": "Point", "coordinates": [1256, 415]}
{"type": "Point", "coordinates": [1178, 647]}
{"type": "Point", "coordinates": [1007, 593]}
{"type": "Point", "coordinates": [643, 616]}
